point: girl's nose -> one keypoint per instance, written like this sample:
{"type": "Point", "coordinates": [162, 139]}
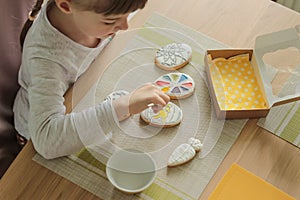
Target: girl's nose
{"type": "Point", "coordinates": [123, 25]}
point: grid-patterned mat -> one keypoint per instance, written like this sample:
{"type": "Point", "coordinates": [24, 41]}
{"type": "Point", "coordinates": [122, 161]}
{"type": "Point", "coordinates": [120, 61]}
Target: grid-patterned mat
{"type": "Point", "coordinates": [136, 62]}
{"type": "Point", "coordinates": [284, 121]}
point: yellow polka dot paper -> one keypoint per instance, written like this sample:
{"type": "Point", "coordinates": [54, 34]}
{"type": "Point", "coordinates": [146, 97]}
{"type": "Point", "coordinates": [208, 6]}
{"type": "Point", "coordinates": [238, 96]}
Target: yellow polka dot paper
{"type": "Point", "coordinates": [235, 84]}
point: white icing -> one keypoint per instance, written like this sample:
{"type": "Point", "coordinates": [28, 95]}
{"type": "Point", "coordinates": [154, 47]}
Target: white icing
{"type": "Point", "coordinates": [115, 95]}
{"type": "Point", "coordinates": [173, 54]}
{"type": "Point", "coordinates": [181, 155]}
{"type": "Point", "coordinates": [195, 143]}
{"type": "Point", "coordinates": [170, 115]}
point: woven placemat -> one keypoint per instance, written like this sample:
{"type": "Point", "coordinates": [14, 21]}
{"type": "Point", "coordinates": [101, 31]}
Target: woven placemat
{"type": "Point", "coordinates": [133, 67]}
{"type": "Point", "coordinates": [284, 121]}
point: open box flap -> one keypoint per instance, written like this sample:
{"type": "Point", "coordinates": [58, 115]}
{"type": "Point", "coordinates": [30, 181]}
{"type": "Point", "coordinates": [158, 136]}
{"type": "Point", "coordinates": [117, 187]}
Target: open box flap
{"type": "Point", "coordinates": [288, 78]}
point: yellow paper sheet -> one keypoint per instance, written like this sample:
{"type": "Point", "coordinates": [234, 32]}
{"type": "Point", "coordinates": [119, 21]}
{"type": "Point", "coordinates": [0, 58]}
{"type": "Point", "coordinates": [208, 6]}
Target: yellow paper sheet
{"type": "Point", "coordinates": [240, 184]}
{"type": "Point", "coordinates": [235, 83]}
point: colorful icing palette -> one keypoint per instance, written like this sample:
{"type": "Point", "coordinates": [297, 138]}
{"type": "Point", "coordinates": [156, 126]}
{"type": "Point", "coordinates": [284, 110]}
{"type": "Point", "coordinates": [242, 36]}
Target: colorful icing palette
{"type": "Point", "coordinates": [173, 56]}
{"type": "Point", "coordinates": [176, 85]}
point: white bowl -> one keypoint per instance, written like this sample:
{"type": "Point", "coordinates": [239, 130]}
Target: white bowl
{"type": "Point", "coordinates": [131, 171]}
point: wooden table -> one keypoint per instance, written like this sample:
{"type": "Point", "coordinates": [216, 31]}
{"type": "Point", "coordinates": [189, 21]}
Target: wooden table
{"type": "Point", "coordinates": [235, 23]}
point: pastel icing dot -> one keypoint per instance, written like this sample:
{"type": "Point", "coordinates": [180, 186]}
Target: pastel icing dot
{"type": "Point", "coordinates": [175, 77]}
{"type": "Point", "coordinates": [165, 89]}
{"type": "Point", "coordinates": [175, 90]}
{"type": "Point", "coordinates": [189, 84]}
{"type": "Point", "coordinates": [183, 78]}
{"type": "Point", "coordinates": [167, 77]}
{"type": "Point", "coordinates": [162, 83]}
{"type": "Point", "coordinates": [184, 88]}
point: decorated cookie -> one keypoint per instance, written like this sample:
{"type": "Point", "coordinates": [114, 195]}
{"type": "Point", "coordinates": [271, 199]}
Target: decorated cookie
{"type": "Point", "coordinates": [176, 85]}
{"type": "Point", "coordinates": [115, 95]}
{"type": "Point", "coordinates": [169, 116]}
{"type": "Point", "coordinates": [173, 56]}
{"type": "Point", "coordinates": [195, 143]}
{"type": "Point", "coordinates": [184, 152]}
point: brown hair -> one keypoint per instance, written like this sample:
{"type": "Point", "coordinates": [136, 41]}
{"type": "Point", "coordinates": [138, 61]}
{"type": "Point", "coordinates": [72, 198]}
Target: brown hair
{"type": "Point", "coordinates": [106, 7]}
{"type": "Point", "coordinates": [110, 7]}
{"type": "Point", "coordinates": [33, 13]}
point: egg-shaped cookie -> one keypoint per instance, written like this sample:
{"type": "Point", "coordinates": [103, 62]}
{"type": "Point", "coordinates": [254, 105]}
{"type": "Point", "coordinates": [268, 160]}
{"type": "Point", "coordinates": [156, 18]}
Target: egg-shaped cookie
{"type": "Point", "coordinates": [170, 115]}
{"type": "Point", "coordinates": [173, 56]}
{"type": "Point", "coordinates": [176, 85]}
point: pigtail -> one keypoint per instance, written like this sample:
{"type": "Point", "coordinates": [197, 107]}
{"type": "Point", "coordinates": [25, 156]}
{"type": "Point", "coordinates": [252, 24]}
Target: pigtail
{"type": "Point", "coordinates": [32, 15]}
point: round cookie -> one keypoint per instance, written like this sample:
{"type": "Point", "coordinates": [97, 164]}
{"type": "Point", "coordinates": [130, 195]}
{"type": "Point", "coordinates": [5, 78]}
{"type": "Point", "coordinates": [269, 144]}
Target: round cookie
{"type": "Point", "coordinates": [176, 85]}
{"type": "Point", "coordinates": [170, 115]}
{"type": "Point", "coordinates": [173, 56]}
{"type": "Point", "coordinates": [115, 95]}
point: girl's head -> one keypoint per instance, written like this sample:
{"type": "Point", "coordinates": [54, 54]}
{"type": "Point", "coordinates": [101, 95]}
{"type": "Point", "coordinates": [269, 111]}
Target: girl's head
{"type": "Point", "coordinates": [99, 18]}
{"type": "Point", "coordinates": [95, 18]}
{"type": "Point", "coordinates": [109, 7]}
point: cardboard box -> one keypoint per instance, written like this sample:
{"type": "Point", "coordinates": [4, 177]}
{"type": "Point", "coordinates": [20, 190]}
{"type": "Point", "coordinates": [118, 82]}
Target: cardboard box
{"type": "Point", "coordinates": [248, 89]}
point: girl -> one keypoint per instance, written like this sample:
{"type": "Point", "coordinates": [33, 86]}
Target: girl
{"type": "Point", "coordinates": [59, 46]}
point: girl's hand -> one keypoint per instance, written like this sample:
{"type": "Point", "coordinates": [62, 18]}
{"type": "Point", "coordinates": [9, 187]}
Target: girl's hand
{"type": "Point", "coordinates": [140, 98]}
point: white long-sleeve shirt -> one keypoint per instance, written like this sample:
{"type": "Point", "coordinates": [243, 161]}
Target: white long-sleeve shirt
{"type": "Point", "coordinates": [51, 63]}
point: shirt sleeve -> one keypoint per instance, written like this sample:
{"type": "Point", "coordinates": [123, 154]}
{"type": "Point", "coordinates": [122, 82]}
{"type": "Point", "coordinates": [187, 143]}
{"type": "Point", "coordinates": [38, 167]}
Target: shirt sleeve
{"type": "Point", "coordinates": [53, 132]}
